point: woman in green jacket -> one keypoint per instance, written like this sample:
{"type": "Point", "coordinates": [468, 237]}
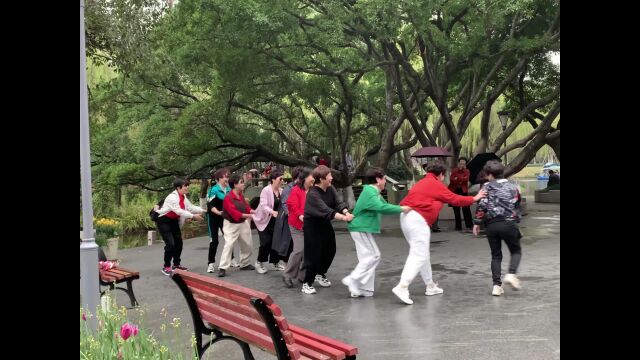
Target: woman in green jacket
{"type": "Point", "coordinates": [366, 222]}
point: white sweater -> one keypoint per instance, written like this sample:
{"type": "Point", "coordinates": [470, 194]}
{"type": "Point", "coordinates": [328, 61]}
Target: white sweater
{"type": "Point", "coordinates": [172, 203]}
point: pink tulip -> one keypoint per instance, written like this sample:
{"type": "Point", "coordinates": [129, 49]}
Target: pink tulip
{"type": "Point", "coordinates": [127, 330]}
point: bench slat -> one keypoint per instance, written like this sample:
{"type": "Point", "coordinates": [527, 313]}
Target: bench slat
{"type": "Point", "coordinates": [334, 353]}
{"type": "Point", "coordinates": [113, 275]}
{"type": "Point", "coordinates": [225, 303]}
{"type": "Point", "coordinates": [216, 305]}
{"type": "Point", "coordinates": [312, 354]}
{"type": "Point", "coordinates": [233, 298]}
{"type": "Point", "coordinates": [230, 315]}
{"type": "Point", "coordinates": [348, 349]}
{"type": "Point", "coordinates": [234, 289]}
{"type": "Point", "coordinates": [252, 337]}
{"type": "Point", "coordinates": [125, 272]}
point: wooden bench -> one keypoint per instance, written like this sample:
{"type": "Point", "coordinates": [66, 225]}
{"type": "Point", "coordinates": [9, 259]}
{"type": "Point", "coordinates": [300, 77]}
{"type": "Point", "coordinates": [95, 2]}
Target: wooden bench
{"type": "Point", "coordinates": [246, 316]}
{"type": "Point", "coordinates": [116, 276]}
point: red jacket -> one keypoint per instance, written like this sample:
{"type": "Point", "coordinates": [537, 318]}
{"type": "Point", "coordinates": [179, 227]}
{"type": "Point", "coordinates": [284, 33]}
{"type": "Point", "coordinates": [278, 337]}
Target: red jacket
{"type": "Point", "coordinates": [295, 205]}
{"type": "Point", "coordinates": [428, 195]}
{"type": "Point", "coordinates": [459, 179]}
{"type": "Point", "coordinates": [234, 206]}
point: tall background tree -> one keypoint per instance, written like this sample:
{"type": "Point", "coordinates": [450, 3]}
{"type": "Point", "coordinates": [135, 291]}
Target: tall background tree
{"type": "Point", "coordinates": [191, 86]}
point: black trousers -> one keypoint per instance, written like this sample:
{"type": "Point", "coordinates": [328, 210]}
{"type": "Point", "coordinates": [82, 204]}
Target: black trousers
{"type": "Point", "coordinates": [213, 244]}
{"type": "Point", "coordinates": [466, 212]}
{"type": "Point", "coordinates": [169, 229]}
{"type": "Point", "coordinates": [265, 252]}
{"type": "Point", "coordinates": [510, 233]}
{"type": "Point", "coordinates": [319, 248]}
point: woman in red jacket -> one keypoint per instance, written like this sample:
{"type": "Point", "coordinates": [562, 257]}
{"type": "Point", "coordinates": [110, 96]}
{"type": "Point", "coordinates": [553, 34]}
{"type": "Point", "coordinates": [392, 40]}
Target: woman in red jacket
{"type": "Point", "coordinates": [236, 212]}
{"type": "Point", "coordinates": [426, 198]}
{"type": "Point", "coordinates": [295, 205]}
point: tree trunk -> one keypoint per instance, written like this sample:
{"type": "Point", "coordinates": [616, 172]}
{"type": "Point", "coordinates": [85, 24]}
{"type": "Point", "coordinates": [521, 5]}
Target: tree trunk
{"type": "Point", "coordinates": [204, 186]}
{"type": "Point", "coordinates": [553, 141]}
{"type": "Point", "coordinates": [530, 150]}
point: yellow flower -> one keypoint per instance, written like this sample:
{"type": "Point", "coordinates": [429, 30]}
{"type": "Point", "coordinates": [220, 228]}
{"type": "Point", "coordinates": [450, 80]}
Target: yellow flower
{"type": "Point", "coordinates": [176, 323]}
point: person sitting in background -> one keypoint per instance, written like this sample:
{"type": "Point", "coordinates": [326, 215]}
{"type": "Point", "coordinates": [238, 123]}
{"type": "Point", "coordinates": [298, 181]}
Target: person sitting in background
{"type": "Point", "coordinates": [554, 180]}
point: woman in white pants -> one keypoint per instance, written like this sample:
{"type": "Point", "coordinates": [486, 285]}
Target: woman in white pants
{"type": "Point", "coordinates": [236, 212]}
{"type": "Point", "coordinates": [366, 222]}
{"type": "Point", "coordinates": [426, 199]}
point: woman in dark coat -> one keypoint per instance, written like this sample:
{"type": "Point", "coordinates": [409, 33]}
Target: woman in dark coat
{"type": "Point", "coordinates": [320, 208]}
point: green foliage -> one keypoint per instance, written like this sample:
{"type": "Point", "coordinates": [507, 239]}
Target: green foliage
{"type": "Point", "coordinates": [206, 84]}
{"type": "Point", "coordinates": [134, 213]}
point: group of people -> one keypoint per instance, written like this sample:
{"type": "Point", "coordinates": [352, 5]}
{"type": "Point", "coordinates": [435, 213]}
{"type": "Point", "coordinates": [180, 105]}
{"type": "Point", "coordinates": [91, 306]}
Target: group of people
{"type": "Point", "coordinates": [297, 237]}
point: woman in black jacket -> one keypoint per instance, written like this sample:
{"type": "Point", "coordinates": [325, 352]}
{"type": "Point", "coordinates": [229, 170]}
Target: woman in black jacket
{"type": "Point", "coordinates": [320, 208]}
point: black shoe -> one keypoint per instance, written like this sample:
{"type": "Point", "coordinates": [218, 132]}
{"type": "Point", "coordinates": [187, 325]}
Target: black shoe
{"type": "Point", "coordinates": [248, 267]}
{"type": "Point", "coordinates": [436, 230]}
{"type": "Point", "coordinates": [459, 229]}
{"type": "Point", "coordinates": [287, 282]}
{"type": "Point", "coordinates": [222, 273]}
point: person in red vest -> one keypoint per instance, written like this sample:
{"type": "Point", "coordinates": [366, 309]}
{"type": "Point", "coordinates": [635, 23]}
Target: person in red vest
{"type": "Point", "coordinates": [459, 184]}
{"type": "Point", "coordinates": [175, 206]}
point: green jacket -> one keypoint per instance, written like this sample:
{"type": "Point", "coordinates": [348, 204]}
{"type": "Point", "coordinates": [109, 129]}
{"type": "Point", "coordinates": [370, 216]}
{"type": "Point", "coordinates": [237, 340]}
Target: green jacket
{"type": "Point", "coordinates": [369, 210]}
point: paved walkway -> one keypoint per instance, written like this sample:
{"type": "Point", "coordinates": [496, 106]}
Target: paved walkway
{"type": "Point", "coordinates": [466, 322]}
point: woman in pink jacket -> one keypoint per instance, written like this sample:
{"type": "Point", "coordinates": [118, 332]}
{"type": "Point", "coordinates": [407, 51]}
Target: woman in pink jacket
{"type": "Point", "coordinates": [265, 220]}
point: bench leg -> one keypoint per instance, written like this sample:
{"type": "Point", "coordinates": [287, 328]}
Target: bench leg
{"type": "Point", "coordinates": [246, 350]}
{"type": "Point", "coordinates": [111, 287]}
{"type": "Point", "coordinates": [129, 292]}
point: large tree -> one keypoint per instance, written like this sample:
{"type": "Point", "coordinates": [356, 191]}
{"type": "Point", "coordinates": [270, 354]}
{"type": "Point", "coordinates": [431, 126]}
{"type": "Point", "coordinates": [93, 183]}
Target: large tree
{"type": "Point", "coordinates": [214, 83]}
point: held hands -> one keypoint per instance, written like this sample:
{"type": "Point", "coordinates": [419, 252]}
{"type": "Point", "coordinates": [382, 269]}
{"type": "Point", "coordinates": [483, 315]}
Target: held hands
{"type": "Point", "coordinates": [348, 217]}
{"type": "Point", "coordinates": [476, 230]}
{"type": "Point", "coordinates": [274, 213]}
{"type": "Point", "coordinates": [197, 217]}
{"type": "Point", "coordinates": [405, 209]}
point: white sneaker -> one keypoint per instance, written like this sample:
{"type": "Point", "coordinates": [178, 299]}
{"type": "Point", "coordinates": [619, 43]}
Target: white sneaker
{"type": "Point", "coordinates": [512, 280]}
{"type": "Point", "coordinates": [234, 263]}
{"type": "Point", "coordinates": [260, 268]}
{"type": "Point", "coordinates": [353, 289]}
{"type": "Point", "coordinates": [323, 281]}
{"type": "Point", "coordinates": [403, 294]}
{"type": "Point", "coordinates": [308, 289]}
{"type": "Point", "coordinates": [497, 290]}
{"type": "Point", "coordinates": [211, 268]}
{"type": "Point", "coordinates": [280, 266]}
{"type": "Point", "coordinates": [433, 289]}
{"type": "Point", "coordinates": [366, 293]}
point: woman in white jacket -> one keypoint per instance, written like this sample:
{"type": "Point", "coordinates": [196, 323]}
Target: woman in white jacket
{"type": "Point", "coordinates": [176, 207]}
